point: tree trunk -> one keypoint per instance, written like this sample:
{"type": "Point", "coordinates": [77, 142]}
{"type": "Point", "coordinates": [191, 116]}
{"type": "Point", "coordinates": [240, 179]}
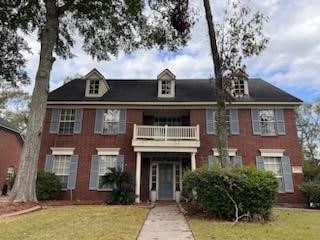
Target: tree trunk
{"type": "Point", "coordinates": [24, 189]}
{"type": "Point", "coordinates": [222, 133]}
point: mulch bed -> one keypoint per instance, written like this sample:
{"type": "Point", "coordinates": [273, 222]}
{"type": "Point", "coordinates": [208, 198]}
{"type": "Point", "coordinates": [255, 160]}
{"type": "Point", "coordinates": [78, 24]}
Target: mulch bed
{"type": "Point", "coordinates": [6, 207]}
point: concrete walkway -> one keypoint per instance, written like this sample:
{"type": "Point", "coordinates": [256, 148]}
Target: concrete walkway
{"type": "Point", "coordinates": [165, 223]}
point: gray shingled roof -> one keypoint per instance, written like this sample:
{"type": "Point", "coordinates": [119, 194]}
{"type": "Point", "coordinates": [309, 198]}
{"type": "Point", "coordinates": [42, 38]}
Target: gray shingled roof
{"type": "Point", "coordinates": [194, 90]}
{"type": "Point", "coordinates": [7, 125]}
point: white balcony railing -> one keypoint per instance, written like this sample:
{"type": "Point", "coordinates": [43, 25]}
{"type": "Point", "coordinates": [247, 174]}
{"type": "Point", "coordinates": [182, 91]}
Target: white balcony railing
{"type": "Point", "coordinates": [165, 133]}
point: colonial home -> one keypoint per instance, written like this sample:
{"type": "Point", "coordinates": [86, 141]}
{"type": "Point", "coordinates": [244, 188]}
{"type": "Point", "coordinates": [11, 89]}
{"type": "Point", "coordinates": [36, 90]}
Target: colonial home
{"type": "Point", "coordinates": [11, 143]}
{"type": "Point", "coordinates": [157, 129]}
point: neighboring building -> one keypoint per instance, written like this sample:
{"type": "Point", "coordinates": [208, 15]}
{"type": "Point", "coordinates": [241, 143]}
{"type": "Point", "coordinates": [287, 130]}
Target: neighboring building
{"type": "Point", "coordinates": [158, 128]}
{"type": "Point", "coordinates": [11, 143]}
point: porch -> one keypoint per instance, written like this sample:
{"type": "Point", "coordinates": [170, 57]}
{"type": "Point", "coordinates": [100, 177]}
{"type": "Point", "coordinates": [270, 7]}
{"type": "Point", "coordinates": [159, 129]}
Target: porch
{"type": "Point", "coordinates": [161, 176]}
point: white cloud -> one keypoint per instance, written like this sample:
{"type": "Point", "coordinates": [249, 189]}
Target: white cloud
{"type": "Point", "coordinates": [291, 60]}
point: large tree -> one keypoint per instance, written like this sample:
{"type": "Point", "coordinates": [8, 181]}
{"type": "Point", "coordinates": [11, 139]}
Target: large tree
{"type": "Point", "coordinates": [308, 126]}
{"type": "Point", "coordinates": [236, 37]}
{"type": "Point", "coordinates": [106, 27]}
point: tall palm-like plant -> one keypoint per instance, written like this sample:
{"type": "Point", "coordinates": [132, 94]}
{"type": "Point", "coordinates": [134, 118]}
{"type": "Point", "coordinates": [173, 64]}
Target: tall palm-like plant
{"type": "Point", "coordinates": [123, 186]}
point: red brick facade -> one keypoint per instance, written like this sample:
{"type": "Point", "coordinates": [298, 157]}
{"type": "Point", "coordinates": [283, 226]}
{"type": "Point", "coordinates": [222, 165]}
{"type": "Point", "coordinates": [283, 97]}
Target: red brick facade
{"type": "Point", "coordinates": [10, 152]}
{"type": "Point", "coordinates": [246, 143]}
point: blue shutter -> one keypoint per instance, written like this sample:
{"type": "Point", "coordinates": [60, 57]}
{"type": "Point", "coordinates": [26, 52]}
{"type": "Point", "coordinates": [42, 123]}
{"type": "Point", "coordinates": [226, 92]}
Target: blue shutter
{"type": "Point", "coordinates": [94, 173]}
{"type": "Point", "coordinates": [78, 121]}
{"type": "Point", "coordinates": [236, 161]}
{"type": "Point", "coordinates": [211, 121]}
{"type": "Point", "coordinates": [280, 122]}
{"type": "Point", "coordinates": [287, 174]}
{"type": "Point", "coordinates": [120, 162]}
{"type": "Point", "coordinates": [73, 172]}
{"type": "Point", "coordinates": [55, 121]}
{"type": "Point", "coordinates": [234, 122]}
{"type": "Point", "coordinates": [259, 162]}
{"type": "Point", "coordinates": [49, 163]}
{"type": "Point", "coordinates": [255, 122]}
{"type": "Point", "coordinates": [123, 121]}
{"type": "Point", "coordinates": [98, 127]}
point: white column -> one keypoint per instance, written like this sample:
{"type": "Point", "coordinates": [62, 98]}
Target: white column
{"type": "Point", "coordinates": [138, 176]}
{"type": "Point", "coordinates": [193, 161]}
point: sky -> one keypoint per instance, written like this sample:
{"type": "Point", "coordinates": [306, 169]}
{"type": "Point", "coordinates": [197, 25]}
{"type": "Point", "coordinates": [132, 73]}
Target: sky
{"type": "Point", "coordinates": [290, 62]}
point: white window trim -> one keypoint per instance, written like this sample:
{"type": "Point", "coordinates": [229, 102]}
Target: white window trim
{"type": "Point", "coordinates": [62, 151]}
{"type": "Point", "coordinates": [232, 152]}
{"type": "Point", "coordinates": [272, 152]}
{"type": "Point", "coordinates": [246, 88]}
{"type": "Point", "coordinates": [108, 151]}
{"type": "Point", "coordinates": [172, 92]}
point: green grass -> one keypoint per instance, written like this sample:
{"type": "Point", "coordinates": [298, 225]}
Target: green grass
{"type": "Point", "coordinates": [286, 225]}
{"type": "Point", "coordinates": [75, 222]}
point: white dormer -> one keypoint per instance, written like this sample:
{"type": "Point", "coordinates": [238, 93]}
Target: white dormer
{"type": "Point", "coordinates": [240, 84]}
{"type": "Point", "coordinates": [96, 84]}
{"type": "Point", "coordinates": [166, 84]}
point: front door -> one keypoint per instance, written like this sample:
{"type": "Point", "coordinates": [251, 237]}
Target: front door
{"type": "Point", "coordinates": [165, 181]}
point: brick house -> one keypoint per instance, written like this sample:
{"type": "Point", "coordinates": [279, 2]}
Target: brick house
{"type": "Point", "coordinates": [11, 143]}
{"type": "Point", "coordinates": [158, 128]}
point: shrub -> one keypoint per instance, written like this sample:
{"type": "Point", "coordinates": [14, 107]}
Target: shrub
{"type": "Point", "coordinates": [311, 190]}
{"type": "Point", "coordinates": [311, 170]}
{"type": "Point", "coordinates": [123, 190]}
{"type": "Point", "coordinates": [253, 190]}
{"type": "Point", "coordinates": [48, 186]}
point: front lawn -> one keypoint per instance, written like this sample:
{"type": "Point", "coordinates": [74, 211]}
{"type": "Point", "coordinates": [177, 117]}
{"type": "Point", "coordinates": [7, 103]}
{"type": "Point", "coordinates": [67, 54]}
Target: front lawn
{"type": "Point", "coordinates": [75, 222]}
{"type": "Point", "coordinates": [286, 225]}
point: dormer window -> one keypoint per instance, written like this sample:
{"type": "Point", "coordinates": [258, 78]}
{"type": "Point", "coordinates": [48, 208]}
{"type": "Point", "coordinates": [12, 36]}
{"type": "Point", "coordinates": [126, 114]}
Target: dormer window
{"type": "Point", "coordinates": [166, 84]}
{"type": "Point", "coordinates": [94, 87]}
{"type": "Point", "coordinates": [240, 88]}
{"type": "Point", "coordinates": [166, 87]}
{"type": "Point", "coordinates": [96, 84]}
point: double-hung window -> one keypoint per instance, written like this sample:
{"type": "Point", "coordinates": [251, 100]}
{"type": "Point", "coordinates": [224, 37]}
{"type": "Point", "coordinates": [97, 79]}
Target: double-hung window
{"type": "Point", "coordinates": [94, 87]}
{"type": "Point", "coordinates": [61, 167]}
{"type": "Point", "coordinates": [166, 87]}
{"type": "Point", "coordinates": [105, 162]}
{"type": "Point", "coordinates": [111, 119]}
{"type": "Point", "coordinates": [239, 88]}
{"type": "Point", "coordinates": [67, 120]}
{"type": "Point", "coordinates": [267, 122]}
{"type": "Point", "coordinates": [273, 164]}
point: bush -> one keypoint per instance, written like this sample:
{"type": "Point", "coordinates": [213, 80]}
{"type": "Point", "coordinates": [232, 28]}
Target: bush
{"type": "Point", "coordinates": [123, 190]}
{"type": "Point", "coordinates": [311, 190]}
{"type": "Point", "coordinates": [253, 190]}
{"type": "Point", "coordinates": [48, 186]}
{"type": "Point", "coordinates": [311, 170]}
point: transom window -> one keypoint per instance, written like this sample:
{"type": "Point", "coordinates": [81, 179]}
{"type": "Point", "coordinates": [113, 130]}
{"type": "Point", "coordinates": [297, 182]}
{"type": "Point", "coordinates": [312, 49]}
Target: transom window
{"type": "Point", "coordinates": [61, 167]}
{"type": "Point", "coordinates": [105, 162]}
{"type": "Point", "coordinates": [111, 119]}
{"type": "Point", "coordinates": [273, 164]}
{"type": "Point", "coordinates": [67, 119]}
{"type": "Point", "coordinates": [267, 122]}
{"type": "Point", "coordinates": [94, 87]}
{"type": "Point", "coordinates": [166, 87]}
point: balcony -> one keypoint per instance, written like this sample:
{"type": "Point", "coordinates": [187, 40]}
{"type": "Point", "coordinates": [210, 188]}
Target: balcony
{"type": "Point", "coordinates": [165, 138]}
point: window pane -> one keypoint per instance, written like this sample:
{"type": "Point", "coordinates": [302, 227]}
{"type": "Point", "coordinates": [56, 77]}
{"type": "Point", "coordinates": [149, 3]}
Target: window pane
{"type": "Point", "coordinates": [111, 120]}
{"type": "Point", "coordinates": [273, 164]}
{"type": "Point", "coordinates": [166, 87]}
{"type": "Point", "coordinates": [267, 122]}
{"type": "Point", "coordinates": [105, 162]}
{"type": "Point", "coordinates": [61, 167]}
{"type": "Point", "coordinates": [67, 118]}
{"type": "Point", "coordinates": [94, 87]}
